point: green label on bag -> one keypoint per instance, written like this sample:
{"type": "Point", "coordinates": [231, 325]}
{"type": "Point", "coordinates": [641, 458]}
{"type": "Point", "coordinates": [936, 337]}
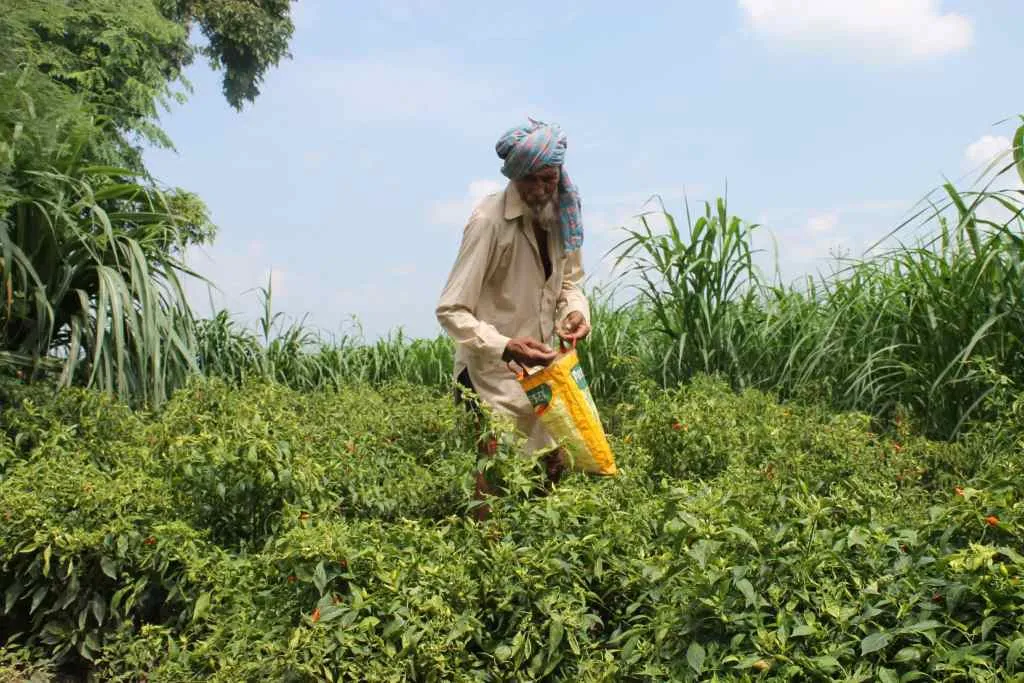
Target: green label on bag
{"type": "Point", "coordinates": [540, 395]}
{"type": "Point", "coordinates": [581, 380]}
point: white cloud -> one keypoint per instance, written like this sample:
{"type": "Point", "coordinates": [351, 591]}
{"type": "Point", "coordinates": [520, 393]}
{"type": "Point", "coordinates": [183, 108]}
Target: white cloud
{"type": "Point", "coordinates": [880, 30]}
{"type": "Point", "coordinates": [985, 157]}
{"type": "Point", "coordinates": [990, 154]}
{"type": "Point", "coordinates": [823, 222]}
{"type": "Point", "coordinates": [982, 152]}
{"type": "Point", "coordinates": [455, 212]}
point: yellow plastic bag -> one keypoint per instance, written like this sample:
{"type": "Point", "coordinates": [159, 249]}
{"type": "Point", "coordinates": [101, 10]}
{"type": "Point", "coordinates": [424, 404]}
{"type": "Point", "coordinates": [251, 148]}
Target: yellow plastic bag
{"type": "Point", "coordinates": [562, 401]}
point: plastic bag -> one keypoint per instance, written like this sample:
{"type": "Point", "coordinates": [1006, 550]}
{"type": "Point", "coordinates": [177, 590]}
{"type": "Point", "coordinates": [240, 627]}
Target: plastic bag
{"type": "Point", "coordinates": [562, 401]}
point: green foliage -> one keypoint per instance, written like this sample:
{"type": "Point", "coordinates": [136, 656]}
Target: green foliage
{"type": "Point", "coordinates": [90, 248]}
{"type": "Point", "coordinates": [794, 543]}
{"type": "Point", "coordinates": [932, 328]}
{"type": "Point", "coordinates": [300, 358]}
{"type": "Point", "coordinates": [124, 58]}
{"type": "Point", "coordinates": [244, 39]}
{"type": "Point", "coordinates": [700, 288]}
{"type": "Point", "coordinates": [117, 58]}
{"type": "Point", "coordinates": [88, 277]}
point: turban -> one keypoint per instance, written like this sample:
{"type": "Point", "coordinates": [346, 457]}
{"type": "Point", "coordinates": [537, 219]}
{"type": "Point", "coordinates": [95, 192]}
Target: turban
{"type": "Point", "coordinates": [526, 149]}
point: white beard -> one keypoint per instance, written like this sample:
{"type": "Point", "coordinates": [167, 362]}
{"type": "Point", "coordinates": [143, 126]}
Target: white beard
{"type": "Point", "coordinates": [546, 217]}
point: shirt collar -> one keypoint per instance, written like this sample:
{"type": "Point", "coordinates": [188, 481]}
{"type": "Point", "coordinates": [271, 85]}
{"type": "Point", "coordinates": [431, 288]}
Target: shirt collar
{"type": "Point", "coordinates": [513, 202]}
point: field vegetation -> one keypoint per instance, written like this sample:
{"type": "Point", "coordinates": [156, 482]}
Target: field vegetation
{"type": "Point", "coordinates": [820, 479]}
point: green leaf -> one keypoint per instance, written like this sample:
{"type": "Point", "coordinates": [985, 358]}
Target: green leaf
{"type": "Point", "coordinates": [108, 567]}
{"type": "Point", "coordinates": [115, 602]}
{"type": "Point", "coordinates": [37, 598]}
{"type": "Point", "coordinates": [47, 553]}
{"type": "Point", "coordinates": [857, 536]}
{"type": "Point", "coordinates": [887, 675]}
{"type": "Point", "coordinates": [320, 577]}
{"type": "Point", "coordinates": [12, 594]}
{"type": "Point", "coordinates": [804, 630]}
{"type": "Point", "coordinates": [691, 520]}
{"type": "Point", "coordinates": [921, 626]}
{"type": "Point", "coordinates": [695, 656]}
{"type": "Point", "coordinates": [1014, 556]}
{"type": "Point", "coordinates": [503, 653]}
{"type": "Point", "coordinates": [742, 534]}
{"type": "Point", "coordinates": [748, 592]}
{"type": "Point", "coordinates": [332, 612]}
{"type": "Point", "coordinates": [628, 653]}
{"type": "Point", "coordinates": [907, 654]}
{"type": "Point", "coordinates": [90, 645]}
{"type": "Point", "coordinates": [99, 608]}
{"type": "Point", "coordinates": [1018, 152]}
{"type": "Point", "coordinates": [202, 605]}
{"type": "Point", "coordinates": [826, 663]}
{"type": "Point", "coordinates": [701, 550]}
{"type": "Point", "coordinates": [1013, 654]}
{"type": "Point", "coordinates": [555, 632]}
{"type": "Point", "coordinates": [874, 642]}
{"type": "Point", "coordinates": [987, 625]}
{"type": "Point", "coordinates": [573, 643]}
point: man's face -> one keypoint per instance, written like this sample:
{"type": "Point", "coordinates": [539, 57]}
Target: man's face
{"type": "Point", "coordinates": [539, 187]}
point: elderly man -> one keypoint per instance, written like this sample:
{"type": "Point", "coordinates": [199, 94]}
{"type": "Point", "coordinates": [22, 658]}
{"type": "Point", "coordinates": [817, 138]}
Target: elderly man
{"type": "Point", "coordinates": [516, 279]}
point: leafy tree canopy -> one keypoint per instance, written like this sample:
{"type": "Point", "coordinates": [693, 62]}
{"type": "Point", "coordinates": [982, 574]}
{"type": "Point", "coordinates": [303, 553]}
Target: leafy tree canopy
{"type": "Point", "coordinates": [126, 58]}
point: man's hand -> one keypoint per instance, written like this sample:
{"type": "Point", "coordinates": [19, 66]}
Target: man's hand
{"type": "Point", "coordinates": [527, 351]}
{"type": "Point", "coordinates": [574, 327]}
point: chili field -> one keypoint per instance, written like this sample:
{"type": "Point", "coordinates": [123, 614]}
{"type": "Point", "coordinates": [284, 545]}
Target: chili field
{"type": "Point", "coordinates": [255, 532]}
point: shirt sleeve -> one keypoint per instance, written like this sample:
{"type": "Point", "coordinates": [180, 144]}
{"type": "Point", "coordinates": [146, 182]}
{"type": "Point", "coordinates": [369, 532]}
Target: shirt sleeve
{"type": "Point", "coordinates": [571, 297]}
{"type": "Point", "coordinates": [456, 309]}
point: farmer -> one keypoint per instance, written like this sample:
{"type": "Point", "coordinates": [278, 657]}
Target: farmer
{"type": "Point", "coordinates": [516, 280]}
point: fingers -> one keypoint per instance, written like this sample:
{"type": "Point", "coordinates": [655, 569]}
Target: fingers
{"type": "Point", "coordinates": [572, 322]}
{"type": "Point", "coordinates": [543, 356]}
{"type": "Point", "coordinates": [575, 332]}
{"type": "Point", "coordinates": [538, 346]}
{"type": "Point", "coordinates": [581, 330]}
{"type": "Point", "coordinates": [528, 351]}
{"type": "Point", "coordinates": [538, 352]}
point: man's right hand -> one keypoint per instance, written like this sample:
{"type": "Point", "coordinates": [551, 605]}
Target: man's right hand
{"type": "Point", "coordinates": [527, 351]}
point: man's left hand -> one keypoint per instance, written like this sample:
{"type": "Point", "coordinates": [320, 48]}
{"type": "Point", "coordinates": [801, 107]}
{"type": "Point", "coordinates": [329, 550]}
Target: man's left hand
{"type": "Point", "coordinates": [574, 327]}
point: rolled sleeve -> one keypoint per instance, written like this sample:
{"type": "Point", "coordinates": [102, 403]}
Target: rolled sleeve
{"type": "Point", "coordinates": [571, 297]}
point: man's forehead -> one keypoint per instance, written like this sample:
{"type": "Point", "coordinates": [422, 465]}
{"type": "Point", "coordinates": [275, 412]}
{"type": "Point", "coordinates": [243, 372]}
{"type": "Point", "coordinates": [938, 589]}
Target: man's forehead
{"type": "Point", "coordinates": [548, 171]}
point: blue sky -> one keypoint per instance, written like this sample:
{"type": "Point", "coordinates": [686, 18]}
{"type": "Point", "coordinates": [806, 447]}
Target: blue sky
{"type": "Point", "coordinates": [351, 177]}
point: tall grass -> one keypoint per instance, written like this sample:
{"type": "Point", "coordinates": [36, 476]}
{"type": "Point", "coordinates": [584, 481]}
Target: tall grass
{"type": "Point", "coordinates": [92, 282]}
{"type": "Point", "coordinates": [932, 327]}
{"type": "Point", "coordinates": [300, 357]}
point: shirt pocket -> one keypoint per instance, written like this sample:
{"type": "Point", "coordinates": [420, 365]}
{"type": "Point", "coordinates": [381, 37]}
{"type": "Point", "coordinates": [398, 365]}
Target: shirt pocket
{"type": "Point", "coordinates": [500, 265]}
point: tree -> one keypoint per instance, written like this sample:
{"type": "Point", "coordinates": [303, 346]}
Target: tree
{"type": "Point", "coordinates": [90, 248]}
{"type": "Point", "coordinates": [126, 58]}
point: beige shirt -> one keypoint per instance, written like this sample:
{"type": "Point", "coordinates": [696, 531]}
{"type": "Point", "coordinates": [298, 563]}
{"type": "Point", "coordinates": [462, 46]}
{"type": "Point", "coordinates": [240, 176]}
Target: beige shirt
{"type": "Point", "coordinates": [496, 290]}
